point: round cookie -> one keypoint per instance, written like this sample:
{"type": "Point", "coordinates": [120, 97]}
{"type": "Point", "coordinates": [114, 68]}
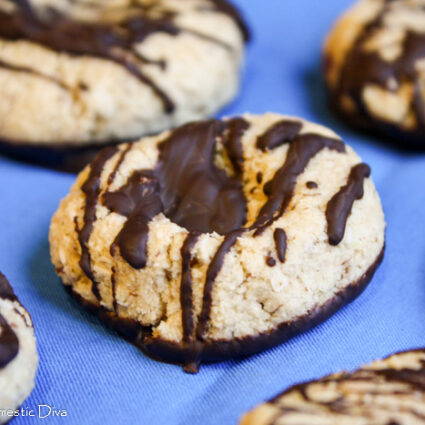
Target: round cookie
{"type": "Point", "coordinates": [375, 69]}
{"type": "Point", "coordinates": [18, 352]}
{"type": "Point", "coordinates": [221, 238]}
{"type": "Point", "coordinates": [80, 73]}
{"type": "Point", "coordinates": [389, 391]}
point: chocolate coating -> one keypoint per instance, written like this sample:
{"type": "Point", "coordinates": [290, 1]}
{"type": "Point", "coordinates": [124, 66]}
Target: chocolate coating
{"type": "Point", "coordinates": [186, 186]}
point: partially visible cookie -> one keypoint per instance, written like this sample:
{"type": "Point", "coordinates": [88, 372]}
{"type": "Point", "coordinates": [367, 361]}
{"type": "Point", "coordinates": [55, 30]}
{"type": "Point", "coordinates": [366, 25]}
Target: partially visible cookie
{"type": "Point", "coordinates": [87, 73]}
{"type": "Point", "coordinates": [375, 68]}
{"type": "Point", "coordinates": [220, 238]}
{"type": "Point", "coordinates": [18, 352]}
{"type": "Point", "coordinates": [386, 392]}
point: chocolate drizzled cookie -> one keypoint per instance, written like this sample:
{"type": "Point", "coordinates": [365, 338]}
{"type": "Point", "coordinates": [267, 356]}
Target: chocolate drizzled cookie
{"type": "Point", "coordinates": [110, 71]}
{"type": "Point", "coordinates": [374, 68]}
{"type": "Point", "coordinates": [212, 241]}
{"type": "Point", "coordinates": [389, 391]}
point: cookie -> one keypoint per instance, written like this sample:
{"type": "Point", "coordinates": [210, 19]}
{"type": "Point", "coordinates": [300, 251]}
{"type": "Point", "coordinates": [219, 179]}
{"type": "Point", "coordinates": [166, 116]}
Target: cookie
{"type": "Point", "coordinates": [220, 238]}
{"type": "Point", "coordinates": [80, 73]}
{"type": "Point", "coordinates": [386, 392]}
{"type": "Point", "coordinates": [375, 69]}
{"type": "Point", "coordinates": [18, 352]}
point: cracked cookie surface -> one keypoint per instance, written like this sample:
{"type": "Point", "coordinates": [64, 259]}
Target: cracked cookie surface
{"type": "Point", "coordinates": [220, 238]}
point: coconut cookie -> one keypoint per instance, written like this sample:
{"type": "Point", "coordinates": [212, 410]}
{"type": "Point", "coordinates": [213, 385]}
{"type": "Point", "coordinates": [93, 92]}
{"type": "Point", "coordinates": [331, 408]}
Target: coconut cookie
{"type": "Point", "coordinates": [18, 353]}
{"type": "Point", "coordinates": [375, 68]}
{"type": "Point", "coordinates": [91, 72]}
{"type": "Point", "coordinates": [221, 238]}
{"type": "Point", "coordinates": [389, 391]}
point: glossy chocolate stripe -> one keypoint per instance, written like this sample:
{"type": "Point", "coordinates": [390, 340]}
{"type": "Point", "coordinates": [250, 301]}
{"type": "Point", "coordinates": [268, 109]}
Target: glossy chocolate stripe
{"type": "Point", "coordinates": [236, 128]}
{"type": "Point", "coordinates": [186, 291]}
{"type": "Point", "coordinates": [279, 237]}
{"type": "Point", "coordinates": [341, 204]}
{"type": "Point", "coordinates": [280, 189]}
{"type": "Point", "coordinates": [279, 134]}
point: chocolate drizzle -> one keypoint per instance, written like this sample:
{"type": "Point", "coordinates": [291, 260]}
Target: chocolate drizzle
{"type": "Point", "coordinates": [111, 41]}
{"type": "Point", "coordinates": [280, 133]}
{"type": "Point", "coordinates": [186, 186]}
{"type": "Point", "coordinates": [312, 185]}
{"type": "Point", "coordinates": [26, 70]}
{"type": "Point", "coordinates": [371, 396]}
{"type": "Point", "coordinates": [213, 270]}
{"type": "Point", "coordinates": [339, 207]}
{"type": "Point", "coordinates": [280, 189]}
{"type": "Point", "coordinates": [236, 129]}
{"type": "Point", "coordinates": [279, 236]}
{"type": "Point", "coordinates": [9, 343]}
{"type": "Point", "coordinates": [91, 189]}
{"type": "Point", "coordinates": [186, 293]}
{"type": "Point", "coordinates": [413, 377]}
{"type": "Point", "coordinates": [230, 10]}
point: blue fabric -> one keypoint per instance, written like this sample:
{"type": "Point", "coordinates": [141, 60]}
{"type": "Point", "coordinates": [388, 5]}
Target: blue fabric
{"type": "Point", "coordinates": [101, 379]}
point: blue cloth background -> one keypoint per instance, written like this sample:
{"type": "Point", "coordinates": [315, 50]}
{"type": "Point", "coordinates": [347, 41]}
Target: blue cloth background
{"type": "Point", "coordinates": [101, 379]}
